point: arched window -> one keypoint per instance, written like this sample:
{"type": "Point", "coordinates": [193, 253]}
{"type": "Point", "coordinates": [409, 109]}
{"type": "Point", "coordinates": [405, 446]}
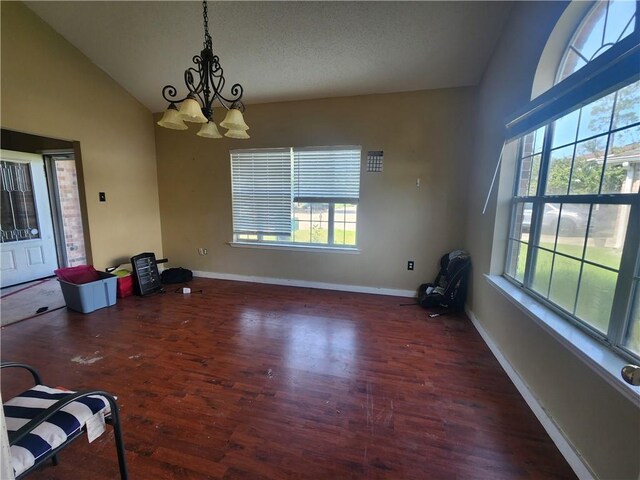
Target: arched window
{"type": "Point", "coordinates": [575, 225]}
{"type": "Point", "coordinates": [605, 25]}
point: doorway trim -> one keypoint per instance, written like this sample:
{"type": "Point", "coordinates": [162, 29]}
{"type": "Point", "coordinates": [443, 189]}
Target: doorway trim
{"type": "Point", "coordinates": [46, 146]}
{"type": "Point", "coordinates": [50, 158]}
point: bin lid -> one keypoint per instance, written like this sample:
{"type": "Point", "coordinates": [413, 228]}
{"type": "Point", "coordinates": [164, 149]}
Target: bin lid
{"type": "Point", "coordinates": [78, 275]}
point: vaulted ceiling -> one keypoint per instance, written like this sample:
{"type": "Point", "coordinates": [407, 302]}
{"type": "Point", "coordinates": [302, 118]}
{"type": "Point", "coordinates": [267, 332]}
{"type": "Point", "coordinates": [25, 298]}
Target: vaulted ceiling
{"type": "Point", "coordinates": [282, 51]}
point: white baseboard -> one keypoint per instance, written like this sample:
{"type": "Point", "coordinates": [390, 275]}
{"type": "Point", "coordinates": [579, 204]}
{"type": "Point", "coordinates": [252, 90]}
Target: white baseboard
{"type": "Point", "coordinates": [307, 284]}
{"type": "Point", "coordinates": [573, 458]}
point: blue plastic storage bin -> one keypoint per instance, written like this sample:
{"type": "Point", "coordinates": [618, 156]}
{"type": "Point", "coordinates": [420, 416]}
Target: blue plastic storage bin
{"type": "Point", "coordinates": [90, 296]}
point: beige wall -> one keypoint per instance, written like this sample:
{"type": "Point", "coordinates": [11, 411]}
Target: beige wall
{"type": "Point", "coordinates": [423, 134]}
{"type": "Point", "coordinates": [49, 88]}
{"type": "Point", "coordinates": [603, 425]}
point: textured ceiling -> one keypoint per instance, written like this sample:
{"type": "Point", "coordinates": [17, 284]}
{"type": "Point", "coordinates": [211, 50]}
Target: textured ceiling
{"type": "Point", "coordinates": [283, 51]}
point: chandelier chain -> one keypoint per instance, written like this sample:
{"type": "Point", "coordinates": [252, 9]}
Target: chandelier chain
{"type": "Point", "coordinates": [207, 37]}
{"type": "Point", "coordinates": [206, 80]}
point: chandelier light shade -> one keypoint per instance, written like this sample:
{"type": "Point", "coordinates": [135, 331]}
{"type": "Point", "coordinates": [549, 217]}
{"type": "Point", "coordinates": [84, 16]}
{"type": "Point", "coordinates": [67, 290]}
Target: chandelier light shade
{"type": "Point", "coordinates": [234, 120]}
{"type": "Point", "coordinates": [204, 83]}
{"type": "Point", "coordinates": [190, 111]}
{"type": "Point", "coordinates": [209, 130]}
{"type": "Point", "coordinates": [172, 119]}
{"type": "Point", "coordinates": [242, 134]}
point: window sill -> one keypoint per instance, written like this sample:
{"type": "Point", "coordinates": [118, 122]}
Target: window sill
{"type": "Point", "coordinates": [295, 248]}
{"type": "Point", "coordinates": [597, 356]}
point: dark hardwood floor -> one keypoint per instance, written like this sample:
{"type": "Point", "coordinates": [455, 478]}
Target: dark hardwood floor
{"type": "Point", "coordinates": [250, 381]}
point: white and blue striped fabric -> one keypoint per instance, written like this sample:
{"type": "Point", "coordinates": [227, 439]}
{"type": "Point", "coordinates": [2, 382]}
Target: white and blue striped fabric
{"type": "Point", "coordinates": [53, 433]}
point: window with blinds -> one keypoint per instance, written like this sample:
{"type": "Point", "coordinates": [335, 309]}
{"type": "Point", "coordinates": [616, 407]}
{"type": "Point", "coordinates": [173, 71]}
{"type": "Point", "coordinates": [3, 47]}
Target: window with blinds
{"type": "Point", "coordinates": [296, 196]}
{"type": "Point", "coordinates": [327, 174]}
{"type": "Point", "coordinates": [261, 186]}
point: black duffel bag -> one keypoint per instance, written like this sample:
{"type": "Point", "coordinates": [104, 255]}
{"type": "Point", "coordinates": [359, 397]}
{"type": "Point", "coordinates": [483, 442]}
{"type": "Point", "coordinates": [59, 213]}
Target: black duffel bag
{"type": "Point", "coordinates": [176, 275]}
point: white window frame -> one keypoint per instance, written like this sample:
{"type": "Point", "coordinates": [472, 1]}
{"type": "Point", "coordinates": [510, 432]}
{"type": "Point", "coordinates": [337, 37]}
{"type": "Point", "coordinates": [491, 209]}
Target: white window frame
{"type": "Point", "coordinates": [262, 239]}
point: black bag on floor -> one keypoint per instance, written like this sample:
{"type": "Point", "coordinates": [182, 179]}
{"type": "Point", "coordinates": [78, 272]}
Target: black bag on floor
{"type": "Point", "coordinates": [176, 275]}
{"type": "Point", "coordinates": [449, 290]}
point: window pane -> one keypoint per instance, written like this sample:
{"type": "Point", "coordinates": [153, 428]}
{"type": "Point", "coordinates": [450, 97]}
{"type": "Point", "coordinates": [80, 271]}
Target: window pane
{"type": "Point", "coordinates": [572, 63]}
{"type": "Point", "coordinates": [525, 175]}
{"type": "Point", "coordinates": [607, 233]}
{"type": "Point", "coordinates": [595, 118]}
{"type": "Point", "coordinates": [244, 236]}
{"type": "Point", "coordinates": [627, 111]}
{"type": "Point", "coordinates": [320, 223]}
{"type": "Point", "coordinates": [319, 212]}
{"type": "Point", "coordinates": [620, 12]}
{"type": "Point", "coordinates": [559, 170]}
{"type": "Point", "coordinates": [588, 39]}
{"type": "Point", "coordinates": [587, 166]}
{"type": "Point", "coordinates": [345, 234]}
{"type": "Point", "coordinates": [532, 142]}
{"type": "Point", "coordinates": [344, 230]}
{"type": "Point", "coordinates": [542, 272]}
{"type": "Point", "coordinates": [565, 129]}
{"type": "Point", "coordinates": [19, 216]}
{"type": "Point", "coordinates": [622, 172]}
{"type": "Point", "coordinates": [350, 234]}
{"type": "Point", "coordinates": [516, 259]}
{"type": "Point", "coordinates": [535, 175]}
{"type": "Point", "coordinates": [595, 299]}
{"type": "Point", "coordinates": [319, 233]}
{"type": "Point", "coordinates": [527, 144]}
{"type": "Point", "coordinates": [539, 139]}
{"type": "Point", "coordinates": [632, 338]}
{"type": "Point", "coordinates": [521, 221]}
{"type": "Point", "coordinates": [301, 222]}
{"type": "Point", "coordinates": [302, 234]}
{"type": "Point", "coordinates": [529, 173]}
{"type": "Point", "coordinates": [564, 282]}
{"type": "Point", "coordinates": [549, 228]}
{"type": "Point", "coordinates": [572, 229]}
{"type": "Point", "coordinates": [302, 212]}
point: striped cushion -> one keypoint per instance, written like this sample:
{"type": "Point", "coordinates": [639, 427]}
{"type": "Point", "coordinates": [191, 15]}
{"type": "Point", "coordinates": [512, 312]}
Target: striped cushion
{"type": "Point", "coordinates": [53, 433]}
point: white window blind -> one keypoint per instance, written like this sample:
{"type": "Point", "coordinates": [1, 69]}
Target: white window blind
{"type": "Point", "coordinates": [261, 191]}
{"type": "Point", "coordinates": [323, 174]}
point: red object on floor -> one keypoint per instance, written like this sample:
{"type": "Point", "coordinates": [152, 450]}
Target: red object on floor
{"type": "Point", "coordinates": [78, 275]}
{"type": "Point", "coordinates": [124, 286]}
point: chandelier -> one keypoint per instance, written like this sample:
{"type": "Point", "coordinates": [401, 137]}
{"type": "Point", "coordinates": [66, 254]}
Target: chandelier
{"type": "Point", "coordinates": [205, 83]}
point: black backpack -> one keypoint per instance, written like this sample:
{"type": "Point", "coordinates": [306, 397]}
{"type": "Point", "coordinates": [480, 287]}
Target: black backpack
{"type": "Point", "coordinates": [176, 275]}
{"type": "Point", "coordinates": [449, 290]}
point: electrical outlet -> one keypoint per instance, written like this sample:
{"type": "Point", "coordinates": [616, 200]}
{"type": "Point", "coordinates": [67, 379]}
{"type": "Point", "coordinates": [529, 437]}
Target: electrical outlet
{"type": "Point", "coordinates": [410, 265]}
{"type": "Point", "coordinates": [202, 251]}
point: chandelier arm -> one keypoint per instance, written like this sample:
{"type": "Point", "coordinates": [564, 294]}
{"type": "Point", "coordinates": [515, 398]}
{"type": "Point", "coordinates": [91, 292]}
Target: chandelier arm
{"type": "Point", "coordinates": [236, 91]}
{"type": "Point", "coordinates": [194, 88]}
{"type": "Point", "coordinates": [188, 75]}
{"type": "Point", "coordinates": [216, 74]}
{"type": "Point", "coordinates": [169, 93]}
{"type": "Point", "coordinates": [217, 82]}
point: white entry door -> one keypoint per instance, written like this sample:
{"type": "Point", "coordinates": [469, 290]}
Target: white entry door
{"type": "Point", "coordinates": [27, 244]}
